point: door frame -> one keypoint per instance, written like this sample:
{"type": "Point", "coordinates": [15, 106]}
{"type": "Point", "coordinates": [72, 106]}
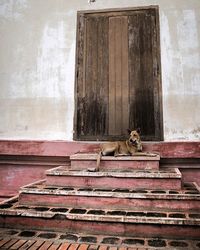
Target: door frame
{"type": "Point", "coordinates": [79, 44]}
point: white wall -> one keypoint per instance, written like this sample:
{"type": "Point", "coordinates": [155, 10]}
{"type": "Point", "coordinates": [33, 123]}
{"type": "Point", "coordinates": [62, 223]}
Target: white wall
{"type": "Point", "coordinates": [37, 63]}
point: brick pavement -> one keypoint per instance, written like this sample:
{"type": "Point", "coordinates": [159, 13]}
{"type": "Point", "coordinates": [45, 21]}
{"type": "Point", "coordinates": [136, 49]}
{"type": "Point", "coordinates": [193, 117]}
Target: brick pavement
{"type": "Point", "coordinates": [16, 239]}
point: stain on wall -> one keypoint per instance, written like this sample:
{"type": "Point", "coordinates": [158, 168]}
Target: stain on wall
{"type": "Point", "coordinates": [37, 65]}
{"type": "Point", "coordinates": [181, 73]}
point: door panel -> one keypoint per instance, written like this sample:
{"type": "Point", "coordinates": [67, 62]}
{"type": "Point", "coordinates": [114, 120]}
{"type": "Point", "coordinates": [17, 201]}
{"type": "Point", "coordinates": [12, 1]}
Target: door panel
{"type": "Point", "coordinates": [143, 73]}
{"type": "Point", "coordinates": [92, 97]}
{"type": "Point", "coordinates": [118, 83]}
{"type": "Point", "coordinates": [118, 75]}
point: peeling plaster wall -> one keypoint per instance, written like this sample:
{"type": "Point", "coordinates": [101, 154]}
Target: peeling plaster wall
{"type": "Point", "coordinates": [37, 64]}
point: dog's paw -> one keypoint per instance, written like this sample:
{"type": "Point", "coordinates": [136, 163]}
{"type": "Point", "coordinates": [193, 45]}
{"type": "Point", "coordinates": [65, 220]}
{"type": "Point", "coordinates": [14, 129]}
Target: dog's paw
{"type": "Point", "coordinates": [151, 154]}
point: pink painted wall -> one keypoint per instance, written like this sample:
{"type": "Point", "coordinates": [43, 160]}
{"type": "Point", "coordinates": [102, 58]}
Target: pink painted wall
{"type": "Point", "coordinates": [13, 176]}
{"type": "Point", "coordinates": [66, 148]}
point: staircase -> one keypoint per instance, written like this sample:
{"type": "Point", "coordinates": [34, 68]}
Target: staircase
{"type": "Point", "coordinates": [129, 196]}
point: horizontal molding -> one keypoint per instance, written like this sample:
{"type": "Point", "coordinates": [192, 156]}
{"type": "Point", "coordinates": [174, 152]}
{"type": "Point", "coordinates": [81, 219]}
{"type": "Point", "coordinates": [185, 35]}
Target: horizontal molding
{"type": "Point", "coordinates": [66, 148]}
{"type": "Point", "coordinates": [34, 160]}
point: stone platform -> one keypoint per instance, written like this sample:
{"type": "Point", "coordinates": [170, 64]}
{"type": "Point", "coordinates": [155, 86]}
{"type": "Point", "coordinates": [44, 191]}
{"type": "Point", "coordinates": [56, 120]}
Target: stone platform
{"type": "Point", "coordinates": [41, 194]}
{"type": "Point", "coordinates": [111, 163]}
{"type": "Point", "coordinates": [154, 179]}
{"type": "Point", "coordinates": [119, 202]}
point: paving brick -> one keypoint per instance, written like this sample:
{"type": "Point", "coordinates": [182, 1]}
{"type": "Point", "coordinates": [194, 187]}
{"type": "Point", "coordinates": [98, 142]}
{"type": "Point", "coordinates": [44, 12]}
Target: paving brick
{"type": "Point", "coordinates": [73, 246]}
{"type": "Point", "coordinates": [18, 244]}
{"type": "Point", "coordinates": [122, 248]}
{"type": "Point", "coordinates": [10, 243]}
{"type": "Point", "coordinates": [84, 247]}
{"type": "Point", "coordinates": [55, 246]}
{"type": "Point", "coordinates": [3, 242]}
{"type": "Point", "coordinates": [64, 246]}
{"type": "Point", "coordinates": [93, 247]}
{"type": "Point", "coordinates": [132, 248]}
{"type": "Point", "coordinates": [112, 248]}
{"type": "Point", "coordinates": [37, 244]}
{"type": "Point", "coordinates": [46, 245]}
{"type": "Point", "coordinates": [102, 247]}
{"type": "Point", "coordinates": [27, 245]}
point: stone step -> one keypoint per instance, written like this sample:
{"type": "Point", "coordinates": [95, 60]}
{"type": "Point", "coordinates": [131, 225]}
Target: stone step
{"type": "Point", "coordinates": [40, 194]}
{"type": "Point", "coordinates": [151, 223]}
{"type": "Point", "coordinates": [169, 179]}
{"type": "Point", "coordinates": [83, 161]}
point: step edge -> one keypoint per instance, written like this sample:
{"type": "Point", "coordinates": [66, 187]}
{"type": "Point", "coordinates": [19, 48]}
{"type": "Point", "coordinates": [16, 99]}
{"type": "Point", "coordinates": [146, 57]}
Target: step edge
{"type": "Point", "coordinates": [103, 218]}
{"type": "Point", "coordinates": [112, 194]}
{"type": "Point", "coordinates": [93, 157]}
{"type": "Point", "coordinates": [114, 174]}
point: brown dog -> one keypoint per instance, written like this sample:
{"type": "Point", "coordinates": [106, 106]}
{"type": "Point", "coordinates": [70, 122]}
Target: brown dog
{"type": "Point", "coordinates": [132, 146]}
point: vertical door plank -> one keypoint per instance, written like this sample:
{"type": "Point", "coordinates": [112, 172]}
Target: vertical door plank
{"type": "Point", "coordinates": [112, 76]}
{"type": "Point", "coordinates": [134, 66]}
{"type": "Point", "coordinates": [91, 76]}
{"type": "Point", "coordinates": [145, 98]}
{"type": "Point", "coordinates": [141, 74]}
{"type": "Point", "coordinates": [118, 75]}
{"type": "Point", "coordinates": [156, 75]}
{"type": "Point", "coordinates": [125, 78]}
{"type": "Point", "coordinates": [102, 79]}
{"type": "Point", "coordinates": [94, 98]}
{"type": "Point", "coordinates": [80, 51]}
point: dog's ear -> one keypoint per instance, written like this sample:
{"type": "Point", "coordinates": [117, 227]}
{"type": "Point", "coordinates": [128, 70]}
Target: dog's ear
{"type": "Point", "coordinates": [138, 130]}
{"type": "Point", "coordinates": [129, 131]}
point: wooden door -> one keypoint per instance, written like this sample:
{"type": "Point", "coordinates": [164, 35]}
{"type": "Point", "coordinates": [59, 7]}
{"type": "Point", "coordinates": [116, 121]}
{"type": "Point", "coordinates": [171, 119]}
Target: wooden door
{"type": "Point", "coordinates": [118, 83]}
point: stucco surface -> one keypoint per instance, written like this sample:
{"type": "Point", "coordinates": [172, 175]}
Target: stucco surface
{"type": "Point", "coordinates": [37, 66]}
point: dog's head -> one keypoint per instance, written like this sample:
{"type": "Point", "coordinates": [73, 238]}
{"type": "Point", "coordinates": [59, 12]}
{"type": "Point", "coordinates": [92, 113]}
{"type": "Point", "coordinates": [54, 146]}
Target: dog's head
{"type": "Point", "coordinates": [134, 139]}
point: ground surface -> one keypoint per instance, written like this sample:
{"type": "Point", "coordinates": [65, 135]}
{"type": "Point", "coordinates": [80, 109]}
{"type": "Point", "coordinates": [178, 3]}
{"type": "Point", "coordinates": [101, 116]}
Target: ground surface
{"type": "Point", "coordinates": [42, 240]}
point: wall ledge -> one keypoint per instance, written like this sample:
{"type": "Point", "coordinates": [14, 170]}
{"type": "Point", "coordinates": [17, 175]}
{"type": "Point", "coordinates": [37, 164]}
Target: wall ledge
{"type": "Point", "coordinates": [189, 149]}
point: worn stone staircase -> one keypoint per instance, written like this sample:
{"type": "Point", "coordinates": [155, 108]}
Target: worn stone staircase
{"type": "Point", "coordinates": [129, 196]}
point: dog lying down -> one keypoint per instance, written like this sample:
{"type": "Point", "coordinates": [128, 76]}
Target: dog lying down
{"type": "Point", "coordinates": [132, 147]}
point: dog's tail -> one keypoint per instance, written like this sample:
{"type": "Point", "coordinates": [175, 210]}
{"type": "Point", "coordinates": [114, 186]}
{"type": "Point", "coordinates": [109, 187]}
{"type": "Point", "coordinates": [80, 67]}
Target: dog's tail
{"type": "Point", "coordinates": [98, 160]}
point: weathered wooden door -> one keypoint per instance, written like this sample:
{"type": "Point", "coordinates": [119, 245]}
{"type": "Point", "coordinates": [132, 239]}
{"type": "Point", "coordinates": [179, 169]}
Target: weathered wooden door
{"type": "Point", "coordinates": [118, 83]}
